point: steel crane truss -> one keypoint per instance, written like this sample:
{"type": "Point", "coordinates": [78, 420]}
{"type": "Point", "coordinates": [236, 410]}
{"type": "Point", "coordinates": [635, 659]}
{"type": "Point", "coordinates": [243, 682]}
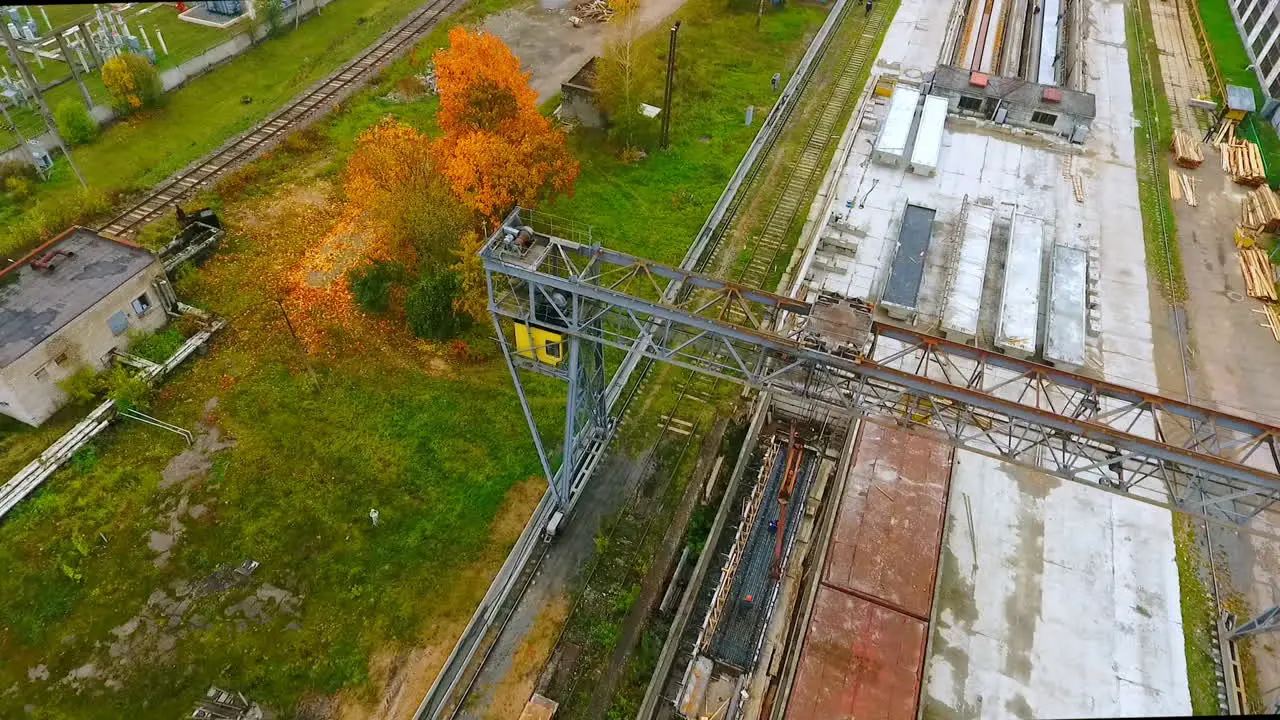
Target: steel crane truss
{"type": "Point", "coordinates": [1158, 450]}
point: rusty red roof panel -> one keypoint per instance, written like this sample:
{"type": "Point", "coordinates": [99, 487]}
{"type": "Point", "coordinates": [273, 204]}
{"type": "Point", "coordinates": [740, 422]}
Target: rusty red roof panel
{"type": "Point", "coordinates": [888, 533]}
{"type": "Point", "coordinates": [859, 660]}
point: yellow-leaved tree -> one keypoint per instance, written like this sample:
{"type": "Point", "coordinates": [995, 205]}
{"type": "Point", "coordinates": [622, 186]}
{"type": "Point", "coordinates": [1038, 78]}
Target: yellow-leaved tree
{"type": "Point", "coordinates": [132, 82]}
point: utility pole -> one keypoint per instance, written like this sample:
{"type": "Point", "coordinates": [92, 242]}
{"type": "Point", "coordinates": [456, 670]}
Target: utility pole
{"type": "Point", "coordinates": [664, 142]}
{"type": "Point", "coordinates": [71, 63]}
{"type": "Point", "coordinates": [44, 109]}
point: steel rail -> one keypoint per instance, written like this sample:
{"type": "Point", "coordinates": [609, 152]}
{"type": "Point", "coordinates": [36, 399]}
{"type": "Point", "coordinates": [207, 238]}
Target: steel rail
{"type": "Point", "coordinates": [288, 118]}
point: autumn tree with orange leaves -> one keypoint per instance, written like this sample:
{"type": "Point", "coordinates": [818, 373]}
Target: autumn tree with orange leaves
{"type": "Point", "coordinates": [497, 150]}
{"type": "Point", "coordinates": [392, 177]}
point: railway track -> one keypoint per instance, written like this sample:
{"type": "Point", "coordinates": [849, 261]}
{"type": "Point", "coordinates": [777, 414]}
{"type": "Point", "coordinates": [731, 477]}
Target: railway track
{"type": "Point", "coordinates": [456, 681]}
{"type": "Point", "coordinates": [1151, 158]}
{"type": "Point", "coordinates": [796, 192]}
{"type": "Point", "coordinates": [301, 110]}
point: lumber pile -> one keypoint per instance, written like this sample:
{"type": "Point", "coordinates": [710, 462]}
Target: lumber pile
{"type": "Point", "coordinates": [1259, 280]}
{"type": "Point", "coordinates": [1273, 319]}
{"type": "Point", "coordinates": [1261, 209]}
{"type": "Point", "coordinates": [1243, 160]}
{"type": "Point", "coordinates": [597, 10]}
{"type": "Point", "coordinates": [1186, 149]}
{"type": "Point", "coordinates": [1225, 134]}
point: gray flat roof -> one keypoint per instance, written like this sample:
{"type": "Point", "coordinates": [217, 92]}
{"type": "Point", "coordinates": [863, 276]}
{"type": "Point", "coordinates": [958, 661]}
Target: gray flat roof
{"type": "Point", "coordinates": [36, 303]}
{"type": "Point", "coordinates": [1017, 91]}
{"type": "Point", "coordinates": [907, 270]}
{"type": "Point", "coordinates": [1240, 98]}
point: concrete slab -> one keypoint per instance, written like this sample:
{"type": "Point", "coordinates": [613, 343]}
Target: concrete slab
{"type": "Point", "coordinates": [963, 302]}
{"type": "Point", "coordinates": [1065, 331]}
{"type": "Point", "coordinates": [859, 660]}
{"type": "Point", "coordinates": [1017, 330]}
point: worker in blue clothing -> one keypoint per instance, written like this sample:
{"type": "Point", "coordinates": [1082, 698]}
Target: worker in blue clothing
{"type": "Point", "coordinates": [870, 3]}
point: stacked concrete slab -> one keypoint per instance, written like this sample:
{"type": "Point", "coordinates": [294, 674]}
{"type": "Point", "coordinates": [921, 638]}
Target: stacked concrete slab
{"type": "Point", "coordinates": [1065, 334]}
{"type": "Point", "coordinates": [893, 144]}
{"type": "Point", "coordinates": [960, 316]}
{"type": "Point", "coordinates": [928, 145]}
{"type": "Point", "coordinates": [1018, 328]}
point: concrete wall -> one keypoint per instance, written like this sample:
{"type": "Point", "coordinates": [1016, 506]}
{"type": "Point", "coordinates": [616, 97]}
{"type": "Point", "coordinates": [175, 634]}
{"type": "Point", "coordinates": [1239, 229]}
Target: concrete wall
{"type": "Point", "coordinates": [247, 35]}
{"type": "Point", "coordinates": [29, 386]}
{"type": "Point", "coordinates": [580, 104]}
{"type": "Point", "coordinates": [1018, 116]}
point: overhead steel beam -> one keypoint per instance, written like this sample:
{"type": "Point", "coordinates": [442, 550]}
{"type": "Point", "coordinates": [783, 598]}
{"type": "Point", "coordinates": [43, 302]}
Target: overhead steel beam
{"type": "Point", "coordinates": [1105, 435]}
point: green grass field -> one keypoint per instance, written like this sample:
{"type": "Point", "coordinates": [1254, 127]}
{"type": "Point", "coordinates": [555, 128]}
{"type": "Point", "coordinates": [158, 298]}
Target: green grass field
{"type": "Point", "coordinates": [1233, 61]}
{"type": "Point", "coordinates": [654, 207]}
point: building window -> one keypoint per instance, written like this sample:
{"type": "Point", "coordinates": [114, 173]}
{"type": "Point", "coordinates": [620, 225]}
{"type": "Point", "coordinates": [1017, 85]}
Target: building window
{"type": "Point", "coordinates": [142, 304]}
{"type": "Point", "coordinates": [118, 323]}
{"type": "Point", "coordinates": [1044, 118]}
{"type": "Point", "coordinates": [1268, 29]}
{"type": "Point", "coordinates": [41, 374]}
{"type": "Point", "coordinates": [60, 360]}
{"type": "Point", "coordinates": [970, 104]}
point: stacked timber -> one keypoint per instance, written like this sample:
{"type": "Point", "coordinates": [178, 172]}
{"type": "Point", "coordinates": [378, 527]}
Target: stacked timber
{"type": "Point", "coordinates": [1261, 210]}
{"type": "Point", "coordinates": [598, 10]}
{"type": "Point", "coordinates": [1259, 280]}
{"type": "Point", "coordinates": [1225, 134]}
{"type": "Point", "coordinates": [1186, 149]}
{"type": "Point", "coordinates": [1243, 160]}
{"type": "Point", "coordinates": [1273, 319]}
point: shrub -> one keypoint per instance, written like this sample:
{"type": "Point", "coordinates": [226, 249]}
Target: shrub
{"type": "Point", "coordinates": [306, 140]}
{"type": "Point", "coordinates": [156, 347]}
{"type": "Point", "coordinates": [127, 390]}
{"type": "Point", "coordinates": [75, 123]}
{"type": "Point", "coordinates": [17, 168]}
{"type": "Point", "coordinates": [133, 83]}
{"type": "Point", "coordinates": [371, 284]}
{"type": "Point", "coordinates": [272, 17]}
{"type": "Point", "coordinates": [82, 386]}
{"type": "Point", "coordinates": [18, 187]}
{"type": "Point", "coordinates": [429, 307]}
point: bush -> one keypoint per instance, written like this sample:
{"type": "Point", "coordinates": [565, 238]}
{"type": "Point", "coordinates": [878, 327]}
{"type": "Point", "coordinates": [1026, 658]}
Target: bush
{"type": "Point", "coordinates": [371, 284]}
{"type": "Point", "coordinates": [82, 386]}
{"type": "Point", "coordinates": [129, 391]}
{"type": "Point", "coordinates": [17, 168]}
{"type": "Point", "coordinates": [18, 187]}
{"type": "Point", "coordinates": [429, 307]}
{"type": "Point", "coordinates": [75, 123]}
{"type": "Point", "coordinates": [304, 141]}
{"type": "Point", "coordinates": [156, 347]}
{"type": "Point", "coordinates": [133, 83]}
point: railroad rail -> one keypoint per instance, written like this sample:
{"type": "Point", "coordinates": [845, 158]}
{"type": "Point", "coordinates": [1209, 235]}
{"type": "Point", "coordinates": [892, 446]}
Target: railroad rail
{"type": "Point", "coordinates": [300, 111]}
{"type": "Point", "coordinates": [505, 592]}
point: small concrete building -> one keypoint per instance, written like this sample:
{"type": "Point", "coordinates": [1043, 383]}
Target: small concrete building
{"type": "Point", "coordinates": [579, 99]}
{"type": "Point", "coordinates": [68, 305]}
{"type": "Point", "coordinates": [1013, 101]}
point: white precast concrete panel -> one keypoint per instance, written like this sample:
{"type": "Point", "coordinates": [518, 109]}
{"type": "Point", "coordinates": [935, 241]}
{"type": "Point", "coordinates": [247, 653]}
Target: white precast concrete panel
{"type": "Point", "coordinates": [1051, 17]}
{"type": "Point", "coordinates": [960, 319]}
{"type": "Point", "coordinates": [1064, 337]}
{"type": "Point", "coordinates": [928, 145]}
{"type": "Point", "coordinates": [1020, 300]}
{"type": "Point", "coordinates": [891, 145]}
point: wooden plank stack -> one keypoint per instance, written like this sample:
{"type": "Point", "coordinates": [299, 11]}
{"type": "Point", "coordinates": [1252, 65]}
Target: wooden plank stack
{"type": "Point", "coordinates": [1273, 319]}
{"type": "Point", "coordinates": [1243, 160]}
{"type": "Point", "coordinates": [1261, 210]}
{"type": "Point", "coordinates": [1259, 280]}
{"type": "Point", "coordinates": [1225, 134]}
{"type": "Point", "coordinates": [1186, 149]}
{"type": "Point", "coordinates": [597, 10]}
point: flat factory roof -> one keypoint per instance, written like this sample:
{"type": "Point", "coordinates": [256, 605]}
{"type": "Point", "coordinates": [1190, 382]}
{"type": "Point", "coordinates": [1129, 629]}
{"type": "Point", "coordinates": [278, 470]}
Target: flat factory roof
{"type": "Point", "coordinates": [965, 297]}
{"type": "Point", "coordinates": [896, 130]}
{"type": "Point", "coordinates": [83, 267]}
{"type": "Point", "coordinates": [933, 121]}
{"type": "Point", "coordinates": [907, 270]}
{"type": "Point", "coordinates": [1064, 337]}
{"type": "Point", "coordinates": [1020, 301]}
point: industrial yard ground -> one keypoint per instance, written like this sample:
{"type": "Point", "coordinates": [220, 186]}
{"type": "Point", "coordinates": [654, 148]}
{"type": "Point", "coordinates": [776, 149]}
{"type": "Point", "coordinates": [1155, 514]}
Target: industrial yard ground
{"type": "Point", "coordinates": [289, 465]}
{"type": "Point", "coordinates": [1053, 599]}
